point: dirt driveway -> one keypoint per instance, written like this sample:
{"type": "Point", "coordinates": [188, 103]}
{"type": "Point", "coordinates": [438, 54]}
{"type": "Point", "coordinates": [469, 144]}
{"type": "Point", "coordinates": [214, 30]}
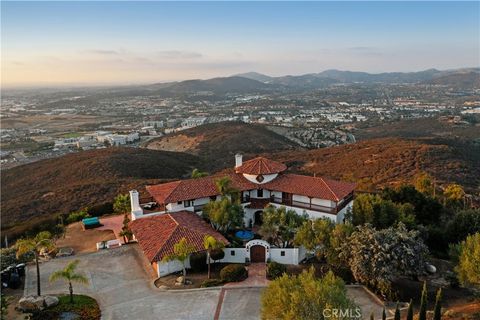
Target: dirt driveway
{"type": "Point", "coordinates": [123, 286]}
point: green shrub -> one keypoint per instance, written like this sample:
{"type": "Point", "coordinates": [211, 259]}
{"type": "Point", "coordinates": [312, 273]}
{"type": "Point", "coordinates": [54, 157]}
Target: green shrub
{"type": "Point", "coordinates": [275, 270]}
{"type": "Point", "coordinates": [198, 261]}
{"type": "Point", "coordinates": [233, 273]}
{"type": "Point", "coordinates": [211, 283]}
{"type": "Point", "coordinates": [77, 216]}
{"type": "Point", "coordinates": [217, 254]}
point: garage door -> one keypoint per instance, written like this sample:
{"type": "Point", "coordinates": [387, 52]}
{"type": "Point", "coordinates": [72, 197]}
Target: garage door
{"type": "Point", "coordinates": [257, 254]}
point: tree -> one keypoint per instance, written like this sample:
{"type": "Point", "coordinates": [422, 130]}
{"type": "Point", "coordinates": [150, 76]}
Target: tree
{"type": "Point", "coordinates": [181, 252]}
{"type": "Point", "coordinates": [126, 233]}
{"type": "Point", "coordinates": [453, 194]}
{"type": "Point", "coordinates": [223, 215]}
{"type": "Point", "coordinates": [211, 243]}
{"type": "Point", "coordinates": [463, 224]}
{"type": "Point", "coordinates": [315, 235]}
{"type": "Point", "coordinates": [42, 241]}
{"type": "Point", "coordinates": [410, 310]}
{"type": "Point", "coordinates": [377, 257]}
{"type": "Point", "coordinates": [397, 312]}
{"type": "Point", "coordinates": [468, 268]}
{"type": "Point", "coordinates": [338, 238]}
{"type": "Point", "coordinates": [372, 317]}
{"type": "Point", "coordinates": [437, 311]}
{"type": "Point", "coordinates": [5, 302]}
{"type": "Point", "coordinates": [305, 297]}
{"type": "Point", "coordinates": [198, 174]}
{"type": "Point", "coordinates": [423, 303]}
{"type": "Point", "coordinates": [121, 204]}
{"type": "Point", "coordinates": [384, 314]}
{"type": "Point", "coordinates": [373, 209]}
{"type": "Point", "coordinates": [224, 186]}
{"type": "Point", "coordinates": [69, 275]}
{"type": "Point", "coordinates": [424, 184]}
{"type": "Point", "coordinates": [280, 225]}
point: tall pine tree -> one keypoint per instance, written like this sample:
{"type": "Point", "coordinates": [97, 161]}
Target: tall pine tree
{"type": "Point", "coordinates": [397, 312]}
{"type": "Point", "coordinates": [423, 303]}
{"type": "Point", "coordinates": [437, 312]}
{"type": "Point", "coordinates": [410, 310]}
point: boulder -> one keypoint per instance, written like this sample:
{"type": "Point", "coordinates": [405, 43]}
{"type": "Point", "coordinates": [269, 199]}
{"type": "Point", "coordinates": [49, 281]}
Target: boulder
{"type": "Point", "coordinates": [180, 279]}
{"type": "Point", "coordinates": [431, 268]}
{"type": "Point", "coordinates": [51, 301]}
{"type": "Point", "coordinates": [31, 303]}
{"type": "Point", "coordinates": [36, 303]}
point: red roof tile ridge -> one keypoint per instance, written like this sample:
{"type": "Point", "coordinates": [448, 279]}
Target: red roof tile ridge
{"type": "Point", "coordinates": [330, 189]}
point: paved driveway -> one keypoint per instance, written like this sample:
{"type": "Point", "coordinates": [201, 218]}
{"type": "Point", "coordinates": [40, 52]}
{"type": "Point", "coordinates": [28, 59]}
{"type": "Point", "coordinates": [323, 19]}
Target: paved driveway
{"type": "Point", "coordinates": [122, 285]}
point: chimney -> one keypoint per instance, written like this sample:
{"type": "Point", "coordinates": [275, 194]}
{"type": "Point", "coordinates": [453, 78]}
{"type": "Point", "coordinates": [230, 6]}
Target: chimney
{"type": "Point", "coordinates": [238, 160]}
{"type": "Point", "coordinates": [135, 204]}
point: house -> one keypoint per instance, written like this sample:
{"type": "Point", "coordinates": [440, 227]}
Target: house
{"type": "Point", "coordinates": [158, 234]}
{"type": "Point", "coordinates": [172, 211]}
{"type": "Point", "coordinates": [261, 182]}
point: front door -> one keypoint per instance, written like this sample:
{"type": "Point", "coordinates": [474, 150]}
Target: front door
{"type": "Point", "coordinates": [257, 254]}
{"type": "Point", "coordinates": [258, 217]}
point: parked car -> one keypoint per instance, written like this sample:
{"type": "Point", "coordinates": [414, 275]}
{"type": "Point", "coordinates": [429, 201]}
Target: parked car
{"type": "Point", "coordinates": [65, 252]}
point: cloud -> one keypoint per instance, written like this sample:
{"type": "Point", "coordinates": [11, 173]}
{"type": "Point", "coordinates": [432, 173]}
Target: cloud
{"type": "Point", "coordinates": [179, 54]}
{"type": "Point", "coordinates": [103, 52]}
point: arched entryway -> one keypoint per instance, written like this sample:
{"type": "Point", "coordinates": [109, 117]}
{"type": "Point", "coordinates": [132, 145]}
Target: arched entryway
{"type": "Point", "coordinates": [257, 254]}
{"type": "Point", "coordinates": [257, 250]}
{"type": "Point", "coordinates": [258, 218]}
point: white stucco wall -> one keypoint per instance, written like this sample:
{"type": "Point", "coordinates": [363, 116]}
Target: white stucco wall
{"type": "Point", "coordinates": [290, 255]}
{"type": "Point", "coordinates": [341, 213]}
{"type": "Point", "coordinates": [238, 255]}
{"type": "Point", "coordinates": [322, 202]}
{"type": "Point", "coordinates": [165, 268]}
{"type": "Point", "coordinates": [311, 214]}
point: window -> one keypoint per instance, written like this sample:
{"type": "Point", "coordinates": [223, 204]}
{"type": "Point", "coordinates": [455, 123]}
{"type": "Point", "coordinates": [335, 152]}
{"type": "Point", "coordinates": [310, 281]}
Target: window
{"type": "Point", "coordinates": [213, 198]}
{"type": "Point", "coordinates": [179, 202]}
{"type": "Point", "coordinates": [187, 203]}
{"type": "Point", "coordinates": [282, 253]}
{"type": "Point", "coordinates": [260, 193]}
{"type": "Point", "coordinates": [232, 252]}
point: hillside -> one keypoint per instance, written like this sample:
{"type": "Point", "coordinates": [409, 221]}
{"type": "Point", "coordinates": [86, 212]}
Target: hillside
{"type": "Point", "coordinates": [217, 143]}
{"type": "Point", "coordinates": [389, 161]}
{"type": "Point", "coordinates": [216, 86]}
{"type": "Point", "coordinates": [461, 80]}
{"type": "Point", "coordinates": [42, 189]}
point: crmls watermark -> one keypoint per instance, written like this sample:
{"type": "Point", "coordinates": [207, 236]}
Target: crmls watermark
{"type": "Point", "coordinates": [342, 313]}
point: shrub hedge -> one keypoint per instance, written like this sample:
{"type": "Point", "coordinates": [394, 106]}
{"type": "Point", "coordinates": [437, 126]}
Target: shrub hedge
{"type": "Point", "coordinates": [233, 273]}
{"type": "Point", "coordinates": [275, 270]}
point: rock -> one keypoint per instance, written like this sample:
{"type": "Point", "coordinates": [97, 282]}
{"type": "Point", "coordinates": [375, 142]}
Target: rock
{"type": "Point", "coordinates": [178, 284]}
{"type": "Point", "coordinates": [188, 281]}
{"type": "Point", "coordinates": [163, 287]}
{"type": "Point", "coordinates": [50, 301]}
{"type": "Point", "coordinates": [179, 279]}
{"type": "Point", "coordinates": [431, 268]}
{"type": "Point", "coordinates": [31, 303]}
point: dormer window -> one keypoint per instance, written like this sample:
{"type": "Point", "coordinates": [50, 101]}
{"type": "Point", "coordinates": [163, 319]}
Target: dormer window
{"type": "Point", "coordinates": [260, 178]}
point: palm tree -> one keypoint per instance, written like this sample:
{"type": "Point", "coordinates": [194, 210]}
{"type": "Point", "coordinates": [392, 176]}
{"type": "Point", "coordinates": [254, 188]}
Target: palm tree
{"type": "Point", "coordinates": [181, 252]}
{"type": "Point", "coordinates": [43, 240]}
{"type": "Point", "coordinates": [224, 186]}
{"type": "Point", "coordinates": [198, 174]}
{"type": "Point", "coordinates": [211, 243]}
{"type": "Point", "coordinates": [68, 274]}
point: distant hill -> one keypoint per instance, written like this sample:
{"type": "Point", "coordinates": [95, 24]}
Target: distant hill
{"type": "Point", "coordinates": [39, 191]}
{"type": "Point", "coordinates": [307, 81]}
{"type": "Point", "coordinates": [217, 143]}
{"type": "Point", "coordinates": [255, 76]}
{"type": "Point", "coordinates": [461, 79]}
{"type": "Point", "coordinates": [216, 86]}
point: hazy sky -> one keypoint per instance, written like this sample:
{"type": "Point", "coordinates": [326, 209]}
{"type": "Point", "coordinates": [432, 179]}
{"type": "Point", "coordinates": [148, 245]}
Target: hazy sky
{"type": "Point", "coordinates": [45, 43]}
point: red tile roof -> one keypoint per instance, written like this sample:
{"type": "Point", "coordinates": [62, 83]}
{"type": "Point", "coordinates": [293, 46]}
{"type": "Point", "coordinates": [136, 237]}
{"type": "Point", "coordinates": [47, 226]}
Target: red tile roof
{"type": "Point", "coordinates": [157, 235]}
{"type": "Point", "coordinates": [195, 188]}
{"type": "Point", "coordinates": [261, 165]}
{"type": "Point", "coordinates": [314, 187]}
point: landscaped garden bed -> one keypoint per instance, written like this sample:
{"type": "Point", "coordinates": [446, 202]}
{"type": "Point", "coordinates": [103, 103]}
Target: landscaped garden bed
{"type": "Point", "coordinates": [83, 307]}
